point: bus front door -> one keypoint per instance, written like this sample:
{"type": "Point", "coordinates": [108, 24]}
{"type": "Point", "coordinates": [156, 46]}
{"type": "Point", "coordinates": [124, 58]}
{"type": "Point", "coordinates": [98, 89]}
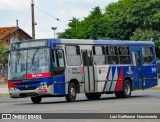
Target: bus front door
{"type": "Point", "coordinates": [137, 62]}
{"type": "Point", "coordinates": [88, 70]}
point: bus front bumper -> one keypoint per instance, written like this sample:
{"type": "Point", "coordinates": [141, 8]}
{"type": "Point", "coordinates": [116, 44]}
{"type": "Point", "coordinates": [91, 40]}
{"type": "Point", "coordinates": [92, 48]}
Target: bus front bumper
{"type": "Point", "coordinates": [16, 93]}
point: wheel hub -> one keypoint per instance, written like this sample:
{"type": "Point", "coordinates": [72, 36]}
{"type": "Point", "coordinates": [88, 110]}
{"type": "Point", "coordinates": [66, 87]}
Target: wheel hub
{"type": "Point", "coordinates": [127, 89]}
{"type": "Point", "coordinates": [73, 93]}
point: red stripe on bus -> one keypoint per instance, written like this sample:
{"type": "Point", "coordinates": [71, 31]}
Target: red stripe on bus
{"type": "Point", "coordinates": [119, 84]}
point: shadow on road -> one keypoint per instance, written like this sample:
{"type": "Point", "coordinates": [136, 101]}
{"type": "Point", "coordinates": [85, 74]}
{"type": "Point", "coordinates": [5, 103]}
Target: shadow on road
{"type": "Point", "coordinates": [86, 100]}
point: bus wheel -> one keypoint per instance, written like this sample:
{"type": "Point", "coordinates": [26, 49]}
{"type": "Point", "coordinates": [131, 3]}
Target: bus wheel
{"type": "Point", "coordinates": [127, 90]}
{"type": "Point", "coordinates": [71, 96]}
{"type": "Point", "coordinates": [36, 99]}
{"type": "Point", "coordinates": [93, 96]}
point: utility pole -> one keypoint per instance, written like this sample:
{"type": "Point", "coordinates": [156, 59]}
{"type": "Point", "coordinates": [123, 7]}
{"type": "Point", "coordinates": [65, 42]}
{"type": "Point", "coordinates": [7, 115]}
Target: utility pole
{"type": "Point", "coordinates": [33, 21]}
{"type": "Point", "coordinates": [17, 23]}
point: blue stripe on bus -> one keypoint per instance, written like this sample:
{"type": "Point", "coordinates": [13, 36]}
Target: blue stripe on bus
{"type": "Point", "coordinates": [106, 80]}
{"type": "Point", "coordinates": [113, 72]}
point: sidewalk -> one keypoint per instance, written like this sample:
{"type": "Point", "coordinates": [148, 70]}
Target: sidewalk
{"type": "Point", "coordinates": [4, 89]}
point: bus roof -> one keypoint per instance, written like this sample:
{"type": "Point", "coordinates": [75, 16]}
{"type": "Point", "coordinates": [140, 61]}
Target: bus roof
{"type": "Point", "coordinates": [101, 42]}
{"type": "Point", "coordinates": [92, 42]}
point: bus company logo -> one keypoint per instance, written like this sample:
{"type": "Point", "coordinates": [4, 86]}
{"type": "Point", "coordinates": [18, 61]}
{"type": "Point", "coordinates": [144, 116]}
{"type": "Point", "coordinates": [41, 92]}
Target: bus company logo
{"type": "Point", "coordinates": [129, 70]}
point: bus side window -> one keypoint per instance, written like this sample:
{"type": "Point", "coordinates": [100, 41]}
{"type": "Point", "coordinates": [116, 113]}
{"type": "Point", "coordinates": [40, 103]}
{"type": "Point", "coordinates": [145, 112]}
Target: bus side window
{"type": "Point", "coordinates": [113, 57]}
{"type": "Point", "coordinates": [73, 55]}
{"type": "Point", "coordinates": [147, 54]}
{"type": "Point", "coordinates": [99, 56]}
{"type": "Point", "coordinates": [124, 55]}
{"type": "Point", "coordinates": [136, 59]}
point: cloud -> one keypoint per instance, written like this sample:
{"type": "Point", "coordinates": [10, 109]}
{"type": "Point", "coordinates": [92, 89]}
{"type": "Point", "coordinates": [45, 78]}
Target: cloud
{"type": "Point", "coordinates": [62, 9]}
{"type": "Point", "coordinates": [6, 5]}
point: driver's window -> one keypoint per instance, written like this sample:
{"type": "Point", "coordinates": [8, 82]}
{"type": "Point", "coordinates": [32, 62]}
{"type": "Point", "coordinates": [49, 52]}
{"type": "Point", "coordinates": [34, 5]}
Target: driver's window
{"type": "Point", "coordinates": [58, 58]}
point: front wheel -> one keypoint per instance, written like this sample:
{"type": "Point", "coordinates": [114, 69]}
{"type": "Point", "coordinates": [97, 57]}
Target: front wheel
{"type": "Point", "coordinates": [71, 96]}
{"type": "Point", "coordinates": [36, 99]}
{"type": "Point", "coordinates": [127, 90]}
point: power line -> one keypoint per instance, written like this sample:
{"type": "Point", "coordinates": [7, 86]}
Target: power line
{"type": "Point", "coordinates": [48, 14]}
{"type": "Point", "coordinates": [26, 19]}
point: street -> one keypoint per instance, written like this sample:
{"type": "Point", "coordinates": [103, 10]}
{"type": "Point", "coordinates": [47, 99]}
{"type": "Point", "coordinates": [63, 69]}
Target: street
{"type": "Point", "coordinates": [147, 101]}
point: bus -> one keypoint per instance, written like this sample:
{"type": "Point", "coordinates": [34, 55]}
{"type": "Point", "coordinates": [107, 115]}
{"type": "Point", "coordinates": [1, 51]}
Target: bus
{"type": "Point", "coordinates": [42, 68]}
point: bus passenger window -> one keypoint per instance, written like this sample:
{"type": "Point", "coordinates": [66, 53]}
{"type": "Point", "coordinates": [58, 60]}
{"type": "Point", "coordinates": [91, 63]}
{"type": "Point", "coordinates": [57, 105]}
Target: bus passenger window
{"type": "Point", "coordinates": [124, 55]}
{"type": "Point", "coordinates": [112, 53]}
{"type": "Point", "coordinates": [73, 55]}
{"type": "Point", "coordinates": [147, 54]}
{"type": "Point", "coordinates": [99, 55]}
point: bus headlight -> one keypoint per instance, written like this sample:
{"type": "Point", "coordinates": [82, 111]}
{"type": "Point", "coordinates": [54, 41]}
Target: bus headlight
{"type": "Point", "coordinates": [12, 89]}
{"type": "Point", "coordinates": [44, 85]}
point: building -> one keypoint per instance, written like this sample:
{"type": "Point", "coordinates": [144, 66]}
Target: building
{"type": "Point", "coordinates": [12, 34]}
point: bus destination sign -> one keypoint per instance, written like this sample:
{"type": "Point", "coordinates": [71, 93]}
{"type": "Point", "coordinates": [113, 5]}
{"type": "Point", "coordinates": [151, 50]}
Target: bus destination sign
{"type": "Point", "coordinates": [29, 44]}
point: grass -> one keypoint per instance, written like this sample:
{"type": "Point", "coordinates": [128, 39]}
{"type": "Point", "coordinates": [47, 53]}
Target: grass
{"type": "Point", "coordinates": [1, 83]}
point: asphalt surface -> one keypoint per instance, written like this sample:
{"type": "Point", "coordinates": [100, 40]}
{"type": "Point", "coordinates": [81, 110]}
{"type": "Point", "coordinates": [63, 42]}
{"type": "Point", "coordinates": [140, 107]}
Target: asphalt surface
{"type": "Point", "coordinates": [147, 101]}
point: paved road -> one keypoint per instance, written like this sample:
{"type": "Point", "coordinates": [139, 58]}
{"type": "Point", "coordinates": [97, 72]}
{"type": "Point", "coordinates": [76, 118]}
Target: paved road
{"type": "Point", "coordinates": [140, 102]}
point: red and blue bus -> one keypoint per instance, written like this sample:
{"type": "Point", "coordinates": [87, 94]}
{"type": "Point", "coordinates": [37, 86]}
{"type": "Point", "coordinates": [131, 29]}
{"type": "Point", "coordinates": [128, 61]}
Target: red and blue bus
{"type": "Point", "coordinates": [64, 67]}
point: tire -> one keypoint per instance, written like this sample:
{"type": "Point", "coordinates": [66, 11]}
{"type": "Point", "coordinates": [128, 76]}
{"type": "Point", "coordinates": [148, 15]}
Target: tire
{"type": "Point", "coordinates": [71, 96]}
{"type": "Point", "coordinates": [127, 90]}
{"type": "Point", "coordinates": [93, 96]}
{"type": "Point", "coordinates": [36, 100]}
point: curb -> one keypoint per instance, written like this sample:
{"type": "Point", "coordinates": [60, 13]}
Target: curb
{"type": "Point", "coordinates": [155, 88]}
{"type": "Point", "coordinates": [4, 95]}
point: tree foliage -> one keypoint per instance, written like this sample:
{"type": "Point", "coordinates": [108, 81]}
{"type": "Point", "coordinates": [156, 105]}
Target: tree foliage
{"type": "Point", "coordinates": [123, 20]}
{"type": "Point", "coordinates": [2, 49]}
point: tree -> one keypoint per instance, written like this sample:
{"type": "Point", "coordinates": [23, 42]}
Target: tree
{"type": "Point", "coordinates": [2, 49]}
{"type": "Point", "coordinates": [123, 20]}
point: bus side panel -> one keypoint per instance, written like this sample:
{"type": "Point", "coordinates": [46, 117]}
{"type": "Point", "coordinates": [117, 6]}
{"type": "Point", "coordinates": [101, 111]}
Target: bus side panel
{"type": "Point", "coordinates": [113, 79]}
{"type": "Point", "coordinates": [125, 71]}
{"type": "Point", "coordinates": [75, 73]}
{"type": "Point", "coordinates": [149, 76]}
{"type": "Point", "coordinates": [59, 84]}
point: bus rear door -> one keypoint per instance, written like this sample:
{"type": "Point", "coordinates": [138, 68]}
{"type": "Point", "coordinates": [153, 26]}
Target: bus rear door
{"type": "Point", "coordinates": [88, 70]}
{"type": "Point", "coordinates": [137, 67]}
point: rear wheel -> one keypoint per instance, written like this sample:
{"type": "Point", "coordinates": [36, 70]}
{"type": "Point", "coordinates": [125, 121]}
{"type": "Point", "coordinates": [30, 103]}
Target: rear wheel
{"type": "Point", "coordinates": [71, 96]}
{"type": "Point", "coordinates": [36, 99]}
{"type": "Point", "coordinates": [93, 96]}
{"type": "Point", "coordinates": [127, 90]}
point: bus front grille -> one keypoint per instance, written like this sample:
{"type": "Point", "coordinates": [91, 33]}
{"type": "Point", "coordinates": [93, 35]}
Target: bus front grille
{"type": "Point", "coordinates": [27, 88]}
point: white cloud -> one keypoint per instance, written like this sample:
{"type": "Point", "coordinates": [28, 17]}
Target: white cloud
{"type": "Point", "coordinates": [14, 4]}
{"type": "Point", "coordinates": [62, 9]}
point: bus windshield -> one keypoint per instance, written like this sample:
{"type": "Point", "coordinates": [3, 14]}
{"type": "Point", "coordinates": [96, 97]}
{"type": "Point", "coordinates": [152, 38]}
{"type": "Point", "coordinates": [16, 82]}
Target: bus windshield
{"type": "Point", "coordinates": [33, 63]}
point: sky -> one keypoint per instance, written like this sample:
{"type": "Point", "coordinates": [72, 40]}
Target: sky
{"type": "Point", "coordinates": [46, 12]}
